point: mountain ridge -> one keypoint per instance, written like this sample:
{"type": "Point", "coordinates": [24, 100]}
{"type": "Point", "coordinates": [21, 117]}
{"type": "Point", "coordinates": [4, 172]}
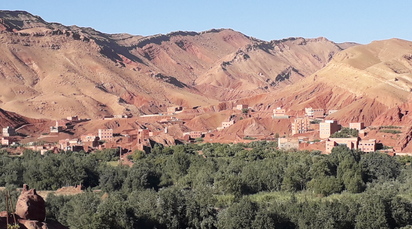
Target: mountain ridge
{"type": "Point", "coordinates": [182, 64]}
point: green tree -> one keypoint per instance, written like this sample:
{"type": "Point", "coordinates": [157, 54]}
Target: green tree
{"type": "Point", "coordinates": [239, 215]}
{"type": "Point", "coordinates": [378, 166]}
{"type": "Point", "coordinates": [326, 185]}
{"type": "Point", "coordinates": [372, 214]}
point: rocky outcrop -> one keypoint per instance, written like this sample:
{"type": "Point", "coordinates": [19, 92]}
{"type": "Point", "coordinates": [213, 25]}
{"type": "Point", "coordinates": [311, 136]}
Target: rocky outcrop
{"type": "Point", "coordinates": [30, 205]}
{"type": "Point", "coordinates": [32, 224]}
{"type": "Point", "coordinates": [30, 212]}
{"type": "Point", "coordinates": [406, 138]}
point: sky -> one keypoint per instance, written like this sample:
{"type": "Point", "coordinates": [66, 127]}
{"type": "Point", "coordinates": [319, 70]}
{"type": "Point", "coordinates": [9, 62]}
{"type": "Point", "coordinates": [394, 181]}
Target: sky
{"type": "Point", "coordinates": [360, 21]}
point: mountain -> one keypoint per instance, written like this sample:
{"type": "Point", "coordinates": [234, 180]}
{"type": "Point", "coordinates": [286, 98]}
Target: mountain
{"type": "Point", "coordinates": [362, 82]}
{"type": "Point", "coordinates": [53, 71]}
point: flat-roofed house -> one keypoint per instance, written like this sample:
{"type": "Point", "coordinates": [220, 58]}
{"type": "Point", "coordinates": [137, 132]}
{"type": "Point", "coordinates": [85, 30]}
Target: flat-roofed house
{"type": "Point", "coordinates": [300, 125]}
{"type": "Point", "coordinates": [367, 145]}
{"type": "Point", "coordinates": [9, 131]}
{"type": "Point", "coordinates": [327, 128]}
{"type": "Point", "coordinates": [357, 125]}
{"type": "Point", "coordinates": [105, 134]}
{"type": "Point", "coordinates": [351, 143]}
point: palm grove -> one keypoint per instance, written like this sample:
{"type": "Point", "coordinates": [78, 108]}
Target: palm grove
{"type": "Point", "coordinates": [250, 185]}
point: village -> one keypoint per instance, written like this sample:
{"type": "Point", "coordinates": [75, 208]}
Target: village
{"type": "Point", "coordinates": [310, 131]}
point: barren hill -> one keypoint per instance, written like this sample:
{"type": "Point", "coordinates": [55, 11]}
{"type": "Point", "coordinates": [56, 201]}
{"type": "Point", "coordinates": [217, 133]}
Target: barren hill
{"type": "Point", "coordinates": [53, 71]}
{"type": "Point", "coordinates": [361, 82]}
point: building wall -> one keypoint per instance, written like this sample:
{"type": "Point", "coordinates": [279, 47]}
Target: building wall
{"type": "Point", "coordinates": [351, 143]}
{"type": "Point", "coordinates": [367, 145]}
{"type": "Point", "coordinates": [227, 124]}
{"type": "Point", "coordinates": [318, 113]}
{"type": "Point", "coordinates": [287, 144]}
{"type": "Point", "coordinates": [241, 106]}
{"type": "Point", "coordinates": [73, 118]}
{"type": "Point", "coordinates": [173, 109]}
{"type": "Point", "coordinates": [308, 111]}
{"type": "Point", "coordinates": [5, 141]}
{"type": "Point", "coordinates": [87, 138]}
{"type": "Point", "coordinates": [195, 134]}
{"type": "Point", "coordinates": [279, 112]}
{"type": "Point", "coordinates": [56, 129]}
{"type": "Point", "coordinates": [105, 134]}
{"type": "Point", "coordinates": [300, 125]}
{"type": "Point", "coordinates": [357, 125]}
{"type": "Point", "coordinates": [9, 131]}
{"type": "Point", "coordinates": [143, 140]}
{"type": "Point", "coordinates": [328, 128]}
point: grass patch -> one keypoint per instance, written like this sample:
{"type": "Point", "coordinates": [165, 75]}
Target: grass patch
{"type": "Point", "coordinates": [390, 127]}
{"type": "Point", "coordinates": [223, 201]}
{"type": "Point", "coordinates": [249, 138]}
{"type": "Point", "coordinates": [113, 163]}
{"type": "Point", "coordinates": [390, 131]}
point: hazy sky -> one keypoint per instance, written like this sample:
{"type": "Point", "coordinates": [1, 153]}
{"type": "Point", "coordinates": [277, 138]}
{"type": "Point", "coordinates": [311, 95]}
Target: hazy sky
{"type": "Point", "coordinates": [360, 21]}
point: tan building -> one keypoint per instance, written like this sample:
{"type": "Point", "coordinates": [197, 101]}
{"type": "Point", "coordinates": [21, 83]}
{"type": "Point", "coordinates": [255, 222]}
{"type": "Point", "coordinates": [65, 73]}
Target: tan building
{"type": "Point", "coordinates": [105, 134]}
{"type": "Point", "coordinates": [227, 124]}
{"type": "Point", "coordinates": [5, 141]}
{"type": "Point", "coordinates": [300, 125]}
{"type": "Point", "coordinates": [241, 107]}
{"type": "Point", "coordinates": [70, 144]}
{"type": "Point", "coordinates": [9, 131]}
{"type": "Point", "coordinates": [143, 141]}
{"type": "Point", "coordinates": [120, 116]}
{"type": "Point", "coordinates": [367, 145]}
{"type": "Point", "coordinates": [193, 134]}
{"type": "Point", "coordinates": [171, 110]}
{"type": "Point", "coordinates": [58, 126]}
{"type": "Point", "coordinates": [108, 117]}
{"type": "Point", "coordinates": [308, 111]}
{"type": "Point", "coordinates": [54, 129]}
{"type": "Point", "coordinates": [287, 144]}
{"type": "Point", "coordinates": [279, 113]}
{"type": "Point", "coordinates": [87, 137]}
{"type": "Point", "coordinates": [170, 120]}
{"type": "Point", "coordinates": [327, 128]}
{"type": "Point", "coordinates": [318, 113]}
{"type": "Point", "coordinates": [357, 125]}
{"type": "Point", "coordinates": [351, 143]}
{"type": "Point", "coordinates": [73, 118]}
{"type": "Point", "coordinates": [315, 113]}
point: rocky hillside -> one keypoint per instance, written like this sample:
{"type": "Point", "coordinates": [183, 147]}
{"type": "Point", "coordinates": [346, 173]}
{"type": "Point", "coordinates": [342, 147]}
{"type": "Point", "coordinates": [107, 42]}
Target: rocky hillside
{"type": "Point", "coordinates": [53, 71]}
{"type": "Point", "coordinates": [362, 82]}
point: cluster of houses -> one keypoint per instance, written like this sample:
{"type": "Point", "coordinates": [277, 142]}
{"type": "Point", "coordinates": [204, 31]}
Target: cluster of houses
{"type": "Point", "coordinates": [105, 138]}
{"type": "Point", "coordinates": [9, 136]}
{"type": "Point", "coordinates": [140, 138]}
{"type": "Point", "coordinates": [302, 125]}
{"type": "Point", "coordinates": [329, 127]}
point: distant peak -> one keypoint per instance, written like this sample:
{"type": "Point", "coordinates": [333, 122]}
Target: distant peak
{"type": "Point", "coordinates": [18, 20]}
{"type": "Point", "coordinates": [159, 38]}
{"type": "Point", "coordinates": [17, 14]}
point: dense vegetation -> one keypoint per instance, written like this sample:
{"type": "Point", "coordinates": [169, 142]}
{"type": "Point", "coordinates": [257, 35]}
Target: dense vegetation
{"type": "Point", "coordinates": [222, 186]}
{"type": "Point", "coordinates": [345, 132]}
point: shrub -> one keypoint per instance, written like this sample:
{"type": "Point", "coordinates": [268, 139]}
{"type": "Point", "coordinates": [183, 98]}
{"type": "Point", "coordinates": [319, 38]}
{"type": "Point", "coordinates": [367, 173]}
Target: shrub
{"type": "Point", "coordinates": [245, 110]}
{"type": "Point", "coordinates": [249, 138]}
{"type": "Point", "coordinates": [346, 133]}
{"type": "Point", "coordinates": [390, 127]}
{"type": "Point", "coordinates": [390, 131]}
